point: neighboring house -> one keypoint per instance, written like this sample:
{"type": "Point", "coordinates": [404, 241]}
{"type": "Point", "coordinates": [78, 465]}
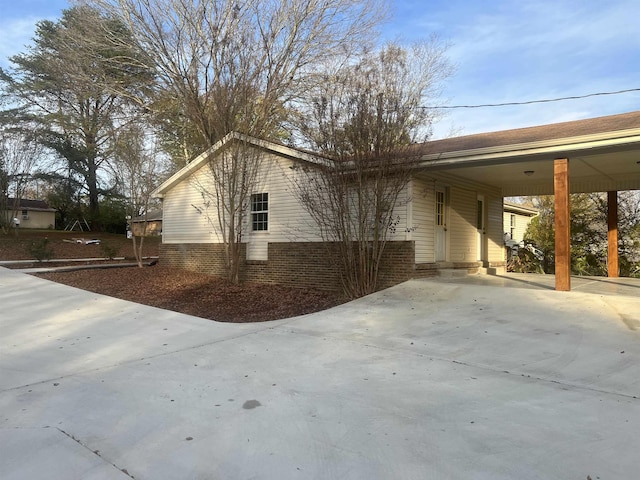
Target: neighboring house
{"type": "Point", "coordinates": [516, 218]}
{"type": "Point", "coordinates": [444, 222]}
{"type": "Point", "coordinates": [147, 225]}
{"type": "Point", "coordinates": [31, 213]}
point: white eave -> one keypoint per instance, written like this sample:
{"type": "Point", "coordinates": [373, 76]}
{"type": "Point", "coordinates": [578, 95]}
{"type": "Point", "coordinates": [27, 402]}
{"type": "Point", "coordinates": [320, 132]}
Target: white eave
{"type": "Point", "coordinates": [547, 148]}
{"type": "Point", "coordinates": [521, 209]}
{"type": "Point", "coordinates": [202, 159]}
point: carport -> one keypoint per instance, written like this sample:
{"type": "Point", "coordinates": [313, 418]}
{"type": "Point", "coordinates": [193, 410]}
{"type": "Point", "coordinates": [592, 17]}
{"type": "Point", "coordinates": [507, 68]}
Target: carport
{"type": "Point", "coordinates": [594, 155]}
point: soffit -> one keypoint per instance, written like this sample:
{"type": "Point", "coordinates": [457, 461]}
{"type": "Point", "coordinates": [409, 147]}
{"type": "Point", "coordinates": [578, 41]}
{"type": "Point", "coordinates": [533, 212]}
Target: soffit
{"type": "Point", "coordinates": [600, 162]}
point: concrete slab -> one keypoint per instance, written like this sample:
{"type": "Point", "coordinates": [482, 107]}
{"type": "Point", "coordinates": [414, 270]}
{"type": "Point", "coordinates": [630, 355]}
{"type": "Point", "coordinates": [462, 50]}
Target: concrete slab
{"type": "Point", "coordinates": [623, 286]}
{"type": "Point", "coordinates": [51, 453]}
{"type": "Point", "coordinates": [429, 379]}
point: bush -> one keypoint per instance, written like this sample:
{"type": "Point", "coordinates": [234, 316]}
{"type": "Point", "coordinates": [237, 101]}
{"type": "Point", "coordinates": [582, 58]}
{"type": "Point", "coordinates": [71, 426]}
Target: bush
{"type": "Point", "coordinates": [40, 249]}
{"type": "Point", "coordinates": [523, 260]}
{"type": "Point", "coordinates": [108, 250]}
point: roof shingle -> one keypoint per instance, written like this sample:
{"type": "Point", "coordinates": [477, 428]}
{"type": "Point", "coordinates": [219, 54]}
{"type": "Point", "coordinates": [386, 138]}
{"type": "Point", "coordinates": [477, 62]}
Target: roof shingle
{"type": "Point", "coordinates": [517, 136]}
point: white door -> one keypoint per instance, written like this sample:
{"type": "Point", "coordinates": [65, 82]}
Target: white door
{"type": "Point", "coordinates": [441, 224]}
{"type": "Point", "coordinates": [480, 224]}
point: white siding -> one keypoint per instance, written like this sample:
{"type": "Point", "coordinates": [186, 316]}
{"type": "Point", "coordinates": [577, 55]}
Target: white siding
{"type": "Point", "coordinates": [495, 240]}
{"type": "Point", "coordinates": [462, 225]}
{"type": "Point", "coordinates": [188, 218]}
{"type": "Point", "coordinates": [185, 218]}
{"type": "Point", "coordinates": [36, 219]}
{"type": "Point", "coordinates": [257, 247]}
{"type": "Point", "coordinates": [422, 204]}
{"type": "Point", "coordinates": [288, 220]}
{"type": "Point", "coordinates": [461, 218]}
{"type": "Point", "coordinates": [402, 230]}
{"type": "Point", "coordinates": [522, 222]}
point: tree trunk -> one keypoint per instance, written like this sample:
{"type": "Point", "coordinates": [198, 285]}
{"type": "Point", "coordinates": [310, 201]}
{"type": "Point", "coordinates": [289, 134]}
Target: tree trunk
{"type": "Point", "coordinates": [94, 197]}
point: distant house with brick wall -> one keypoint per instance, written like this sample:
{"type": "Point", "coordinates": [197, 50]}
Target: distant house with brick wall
{"type": "Point", "coordinates": [445, 222]}
{"type": "Point", "coordinates": [30, 213]}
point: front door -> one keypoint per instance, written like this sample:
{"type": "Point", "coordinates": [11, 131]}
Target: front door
{"type": "Point", "coordinates": [480, 228]}
{"type": "Point", "coordinates": [441, 224]}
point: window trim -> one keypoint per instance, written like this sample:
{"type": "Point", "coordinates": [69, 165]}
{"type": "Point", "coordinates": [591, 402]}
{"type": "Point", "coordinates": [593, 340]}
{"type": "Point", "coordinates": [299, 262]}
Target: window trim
{"type": "Point", "coordinates": [259, 212]}
{"type": "Point", "coordinates": [440, 208]}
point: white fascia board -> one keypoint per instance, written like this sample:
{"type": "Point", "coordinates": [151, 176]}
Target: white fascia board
{"type": "Point", "coordinates": [203, 158]}
{"type": "Point", "coordinates": [511, 208]}
{"type": "Point", "coordinates": [546, 147]}
{"type": "Point", "coordinates": [285, 151]}
{"type": "Point", "coordinates": [188, 169]}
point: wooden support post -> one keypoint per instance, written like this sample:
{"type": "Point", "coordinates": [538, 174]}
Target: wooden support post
{"type": "Point", "coordinates": [562, 223]}
{"type": "Point", "coordinates": [612, 246]}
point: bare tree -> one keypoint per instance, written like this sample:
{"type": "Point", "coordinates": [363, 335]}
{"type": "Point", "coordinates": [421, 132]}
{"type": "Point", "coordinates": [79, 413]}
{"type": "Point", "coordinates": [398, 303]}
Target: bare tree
{"type": "Point", "coordinates": [19, 156]}
{"type": "Point", "coordinates": [224, 66]}
{"type": "Point", "coordinates": [367, 117]}
{"type": "Point", "coordinates": [226, 187]}
{"type": "Point", "coordinates": [137, 167]}
{"type": "Point", "coordinates": [233, 66]}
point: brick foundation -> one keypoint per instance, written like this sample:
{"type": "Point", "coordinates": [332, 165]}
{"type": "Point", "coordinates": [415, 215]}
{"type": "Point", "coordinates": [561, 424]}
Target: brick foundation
{"type": "Point", "coordinates": [299, 264]}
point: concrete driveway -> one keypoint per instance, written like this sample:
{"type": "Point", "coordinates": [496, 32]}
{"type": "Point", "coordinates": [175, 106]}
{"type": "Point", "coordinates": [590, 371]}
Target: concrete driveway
{"type": "Point", "coordinates": [426, 380]}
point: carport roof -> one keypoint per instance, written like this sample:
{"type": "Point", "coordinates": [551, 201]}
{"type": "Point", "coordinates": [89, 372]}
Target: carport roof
{"type": "Point", "coordinates": [604, 155]}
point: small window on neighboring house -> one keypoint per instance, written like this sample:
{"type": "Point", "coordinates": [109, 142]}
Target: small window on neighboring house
{"type": "Point", "coordinates": [25, 214]}
{"type": "Point", "coordinates": [513, 226]}
{"type": "Point", "coordinates": [259, 212]}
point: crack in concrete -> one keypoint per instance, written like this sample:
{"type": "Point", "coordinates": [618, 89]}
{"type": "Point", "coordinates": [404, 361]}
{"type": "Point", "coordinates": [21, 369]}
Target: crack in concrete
{"type": "Point", "coordinates": [517, 374]}
{"type": "Point", "coordinates": [95, 452]}
{"type": "Point", "coordinates": [139, 359]}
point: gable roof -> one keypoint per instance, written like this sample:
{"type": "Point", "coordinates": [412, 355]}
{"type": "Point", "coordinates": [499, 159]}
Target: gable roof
{"type": "Point", "coordinates": [605, 152]}
{"type": "Point", "coordinates": [613, 129]}
{"type": "Point", "coordinates": [520, 209]}
{"type": "Point", "coordinates": [266, 145]}
{"type": "Point", "coordinates": [33, 205]}
{"type": "Point", "coordinates": [151, 216]}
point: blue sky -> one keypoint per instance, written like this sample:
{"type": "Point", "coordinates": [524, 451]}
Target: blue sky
{"type": "Point", "coordinates": [504, 50]}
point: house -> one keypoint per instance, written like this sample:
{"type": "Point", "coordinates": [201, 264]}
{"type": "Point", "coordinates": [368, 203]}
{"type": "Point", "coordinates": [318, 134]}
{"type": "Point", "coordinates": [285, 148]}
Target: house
{"type": "Point", "coordinates": [147, 225]}
{"type": "Point", "coordinates": [450, 215]}
{"type": "Point", "coordinates": [31, 213]}
{"type": "Point", "coordinates": [444, 222]}
{"type": "Point", "coordinates": [516, 218]}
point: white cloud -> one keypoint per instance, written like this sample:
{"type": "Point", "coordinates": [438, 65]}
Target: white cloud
{"type": "Point", "coordinates": [516, 51]}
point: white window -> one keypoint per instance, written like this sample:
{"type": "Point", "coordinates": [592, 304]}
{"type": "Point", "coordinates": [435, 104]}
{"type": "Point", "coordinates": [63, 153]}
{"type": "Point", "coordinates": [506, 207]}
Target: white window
{"type": "Point", "coordinates": [439, 208]}
{"type": "Point", "coordinates": [25, 214]}
{"type": "Point", "coordinates": [259, 212]}
{"type": "Point", "coordinates": [513, 226]}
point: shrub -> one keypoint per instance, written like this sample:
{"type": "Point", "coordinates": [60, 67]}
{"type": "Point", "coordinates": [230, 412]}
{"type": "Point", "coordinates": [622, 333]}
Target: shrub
{"type": "Point", "coordinates": [40, 249]}
{"type": "Point", "coordinates": [108, 250]}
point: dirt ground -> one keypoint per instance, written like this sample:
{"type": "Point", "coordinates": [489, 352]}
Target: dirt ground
{"type": "Point", "coordinates": [169, 288]}
{"type": "Point", "coordinates": [72, 245]}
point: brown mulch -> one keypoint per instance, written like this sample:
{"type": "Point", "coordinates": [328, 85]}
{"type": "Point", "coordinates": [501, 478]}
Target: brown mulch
{"type": "Point", "coordinates": [169, 288]}
{"type": "Point", "coordinates": [199, 294]}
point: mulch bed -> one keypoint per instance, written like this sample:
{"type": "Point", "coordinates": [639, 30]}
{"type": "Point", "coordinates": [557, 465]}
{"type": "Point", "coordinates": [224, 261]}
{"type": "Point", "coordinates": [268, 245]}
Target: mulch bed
{"type": "Point", "coordinates": [160, 286]}
{"type": "Point", "coordinates": [199, 294]}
